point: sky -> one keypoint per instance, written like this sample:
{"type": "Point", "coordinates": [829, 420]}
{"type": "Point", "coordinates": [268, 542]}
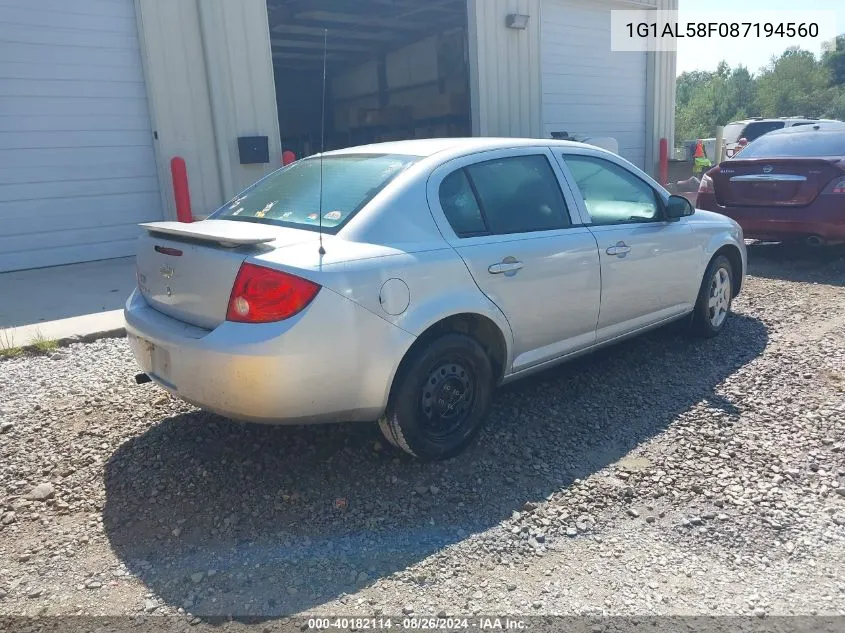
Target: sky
{"type": "Point", "coordinates": [752, 53]}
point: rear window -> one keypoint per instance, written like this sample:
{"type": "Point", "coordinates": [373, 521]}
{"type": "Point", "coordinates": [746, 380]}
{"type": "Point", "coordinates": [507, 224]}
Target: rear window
{"type": "Point", "coordinates": [291, 196]}
{"type": "Point", "coordinates": [796, 145]}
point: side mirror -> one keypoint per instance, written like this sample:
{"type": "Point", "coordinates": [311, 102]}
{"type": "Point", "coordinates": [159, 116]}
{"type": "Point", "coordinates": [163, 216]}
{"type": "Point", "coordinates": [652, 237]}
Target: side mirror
{"type": "Point", "coordinates": [678, 207]}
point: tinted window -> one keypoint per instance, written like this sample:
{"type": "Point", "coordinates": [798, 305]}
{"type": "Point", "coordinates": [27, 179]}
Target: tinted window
{"type": "Point", "coordinates": [519, 195]}
{"type": "Point", "coordinates": [460, 205]}
{"type": "Point", "coordinates": [800, 144]}
{"type": "Point", "coordinates": [291, 196]}
{"type": "Point", "coordinates": [612, 194]}
{"type": "Point", "coordinates": [758, 128]}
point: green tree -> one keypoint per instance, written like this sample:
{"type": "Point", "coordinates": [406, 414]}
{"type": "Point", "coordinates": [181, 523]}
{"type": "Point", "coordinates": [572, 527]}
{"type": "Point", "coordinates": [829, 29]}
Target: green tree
{"type": "Point", "coordinates": [834, 60]}
{"type": "Point", "coordinates": [689, 83]}
{"type": "Point", "coordinates": [706, 100]}
{"type": "Point", "coordinates": [795, 84]}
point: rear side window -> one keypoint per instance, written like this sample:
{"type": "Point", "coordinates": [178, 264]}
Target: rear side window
{"type": "Point", "coordinates": [759, 128]}
{"type": "Point", "coordinates": [803, 144]}
{"type": "Point", "coordinates": [733, 132]}
{"type": "Point", "coordinates": [504, 196]}
{"type": "Point", "coordinates": [461, 206]}
{"type": "Point", "coordinates": [292, 196]}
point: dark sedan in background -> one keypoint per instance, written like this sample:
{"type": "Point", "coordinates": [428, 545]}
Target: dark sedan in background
{"type": "Point", "coordinates": [787, 186]}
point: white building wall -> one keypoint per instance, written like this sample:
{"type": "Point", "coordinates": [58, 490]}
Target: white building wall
{"type": "Point", "coordinates": [77, 163]}
{"type": "Point", "coordinates": [209, 75]}
{"type": "Point", "coordinates": [589, 89]}
{"type": "Point", "coordinates": [505, 69]}
{"type": "Point", "coordinates": [660, 122]}
{"type": "Point", "coordinates": [506, 76]}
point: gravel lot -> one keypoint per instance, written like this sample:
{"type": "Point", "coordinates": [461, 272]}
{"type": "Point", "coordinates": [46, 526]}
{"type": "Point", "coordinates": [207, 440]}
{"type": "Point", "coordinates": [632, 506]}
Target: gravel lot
{"type": "Point", "coordinates": [663, 476]}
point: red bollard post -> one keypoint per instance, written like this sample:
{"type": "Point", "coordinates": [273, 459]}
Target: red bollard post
{"type": "Point", "coordinates": [664, 162]}
{"type": "Point", "coordinates": [181, 192]}
{"type": "Point", "coordinates": [288, 157]}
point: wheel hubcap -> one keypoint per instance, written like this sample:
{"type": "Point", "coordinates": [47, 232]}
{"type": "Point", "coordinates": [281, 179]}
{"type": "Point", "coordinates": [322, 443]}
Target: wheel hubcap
{"type": "Point", "coordinates": [447, 398]}
{"type": "Point", "coordinates": [719, 297]}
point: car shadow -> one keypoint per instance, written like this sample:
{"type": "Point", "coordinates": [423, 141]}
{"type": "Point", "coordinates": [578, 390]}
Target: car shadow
{"type": "Point", "coordinates": [798, 263]}
{"type": "Point", "coordinates": [245, 521]}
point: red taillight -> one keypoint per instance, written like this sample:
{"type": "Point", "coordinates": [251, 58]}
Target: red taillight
{"type": "Point", "coordinates": [706, 185]}
{"type": "Point", "coordinates": [263, 295]}
{"type": "Point", "coordinates": [838, 186]}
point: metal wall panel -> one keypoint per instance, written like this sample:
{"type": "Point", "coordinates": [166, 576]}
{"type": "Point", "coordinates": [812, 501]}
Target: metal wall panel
{"type": "Point", "coordinates": [505, 69]}
{"type": "Point", "coordinates": [210, 79]}
{"type": "Point", "coordinates": [77, 165]}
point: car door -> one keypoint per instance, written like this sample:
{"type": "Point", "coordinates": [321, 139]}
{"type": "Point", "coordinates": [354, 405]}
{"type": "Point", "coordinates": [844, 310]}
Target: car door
{"type": "Point", "coordinates": [506, 215]}
{"type": "Point", "coordinates": [649, 266]}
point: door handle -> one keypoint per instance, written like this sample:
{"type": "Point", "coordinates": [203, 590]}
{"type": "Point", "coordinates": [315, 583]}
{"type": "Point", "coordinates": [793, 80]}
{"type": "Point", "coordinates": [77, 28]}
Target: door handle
{"type": "Point", "coordinates": [503, 268]}
{"type": "Point", "coordinates": [620, 250]}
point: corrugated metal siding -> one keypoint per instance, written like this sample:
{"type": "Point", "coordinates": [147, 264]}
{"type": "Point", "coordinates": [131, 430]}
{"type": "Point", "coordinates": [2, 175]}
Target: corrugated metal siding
{"type": "Point", "coordinates": [505, 69]}
{"type": "Point", "coordinates": [588, 89]}
{"type": "Point", "coordinates": [174, 63]}
{"type": "Point", "coordinates": [243, 91]}
{"type": "Point", "coordinates": [210, 79]}
{"type": "Point", "coordinates": [77, 165]}
{"type": "Point", "coordinates": [662, 94]}
{"type": "Point", "coordinates": [506, 81]}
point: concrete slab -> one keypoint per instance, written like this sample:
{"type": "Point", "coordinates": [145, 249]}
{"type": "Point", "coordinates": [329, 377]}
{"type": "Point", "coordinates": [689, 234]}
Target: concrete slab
{"type": "Point", "coordinates": [65, 302]}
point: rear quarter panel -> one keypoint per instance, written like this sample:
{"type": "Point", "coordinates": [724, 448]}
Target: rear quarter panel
{"type": "Point", "coordinates": [435, 284]}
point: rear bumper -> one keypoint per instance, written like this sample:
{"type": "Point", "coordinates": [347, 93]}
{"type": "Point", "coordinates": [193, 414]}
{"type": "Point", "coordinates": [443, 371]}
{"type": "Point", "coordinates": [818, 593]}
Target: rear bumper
{"type": "Point", "coordinates": [334, 362]}
{"type": "Point", "coordinates": [778, 223]}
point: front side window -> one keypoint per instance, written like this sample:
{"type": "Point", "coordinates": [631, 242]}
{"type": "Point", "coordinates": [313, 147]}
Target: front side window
{"type": "Point", "coordinates": [611, 193]}
{"type": "Point", "coordinates": [292, 196]}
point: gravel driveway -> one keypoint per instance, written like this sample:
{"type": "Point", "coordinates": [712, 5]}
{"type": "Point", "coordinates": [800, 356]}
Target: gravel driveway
{"type": "Point", "coordinates": [663, 476]}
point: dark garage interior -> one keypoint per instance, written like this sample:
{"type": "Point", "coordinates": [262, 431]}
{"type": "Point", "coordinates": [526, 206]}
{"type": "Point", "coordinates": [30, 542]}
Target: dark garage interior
{"type": "Point", "coordinates": [396, 69]}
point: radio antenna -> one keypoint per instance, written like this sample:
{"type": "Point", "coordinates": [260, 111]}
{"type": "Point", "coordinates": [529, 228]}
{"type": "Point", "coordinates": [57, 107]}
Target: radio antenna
{"type": "Point", "coordinates": [323, 133]}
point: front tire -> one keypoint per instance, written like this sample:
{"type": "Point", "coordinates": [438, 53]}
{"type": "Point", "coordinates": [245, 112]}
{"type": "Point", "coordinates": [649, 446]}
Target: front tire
{"type": "Point", "coordinates": [440, 399]}
{"type": "Point", "coordinates": [713, 307]}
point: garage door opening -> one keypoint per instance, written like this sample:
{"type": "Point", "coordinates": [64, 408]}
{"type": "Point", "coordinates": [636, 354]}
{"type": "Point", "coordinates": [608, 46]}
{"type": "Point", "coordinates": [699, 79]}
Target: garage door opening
{"type": "Point", "coordinates": [397, 69]}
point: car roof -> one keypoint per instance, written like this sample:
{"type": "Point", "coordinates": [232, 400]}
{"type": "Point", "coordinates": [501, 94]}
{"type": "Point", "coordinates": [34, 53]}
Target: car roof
{"type": "Point", "coordinates": [815, 128]}
{"type": "Point", "coordinates": [774, 120]}
{"type": "Point", "coordinates": [429, 147]}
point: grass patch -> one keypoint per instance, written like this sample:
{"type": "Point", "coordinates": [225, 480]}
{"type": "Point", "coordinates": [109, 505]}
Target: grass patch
{"type": "Point", "coordinates": [42, 345]}
{"type": "Point", "coordinates": [8, 349]}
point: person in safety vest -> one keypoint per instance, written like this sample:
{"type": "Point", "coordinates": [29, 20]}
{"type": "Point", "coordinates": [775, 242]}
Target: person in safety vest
{"type": "Point", "coordinates": [700, 161]}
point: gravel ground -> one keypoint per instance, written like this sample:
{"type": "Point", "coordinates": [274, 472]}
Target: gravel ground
{"type": "Point", "coordinates": [663, 476]}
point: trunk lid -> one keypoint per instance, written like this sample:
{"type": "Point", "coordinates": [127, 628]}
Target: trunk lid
{"type": "Point", "coordinates": [773, 182]}
{"type": "Point", "coordinates": [187, 271]}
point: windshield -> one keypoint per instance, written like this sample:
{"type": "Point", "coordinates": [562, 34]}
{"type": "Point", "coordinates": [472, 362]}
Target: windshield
{"type": "Point", "coordinates": [291, 196]}
{"type": "Point", "coordinates": [796, 145]}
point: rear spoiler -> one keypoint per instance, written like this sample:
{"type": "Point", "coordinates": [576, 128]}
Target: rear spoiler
{"type": "Point", "coordinates": [225, 233]}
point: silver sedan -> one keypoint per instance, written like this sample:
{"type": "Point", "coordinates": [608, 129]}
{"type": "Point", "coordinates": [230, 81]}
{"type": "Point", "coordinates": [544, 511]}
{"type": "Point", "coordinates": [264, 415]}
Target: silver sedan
{"type": "Point", "coordinates": [402, 282]}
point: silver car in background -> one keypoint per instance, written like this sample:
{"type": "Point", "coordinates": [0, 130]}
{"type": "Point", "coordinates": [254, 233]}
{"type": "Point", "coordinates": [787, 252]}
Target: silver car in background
{"type": "Point", "coordinates": [402, 282]}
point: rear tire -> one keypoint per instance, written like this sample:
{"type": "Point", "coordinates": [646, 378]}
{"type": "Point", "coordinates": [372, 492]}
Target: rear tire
{"type": "Point", "coordinates": [440, 398]}
{"type": "Point", "coordinates": [713, 307]}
